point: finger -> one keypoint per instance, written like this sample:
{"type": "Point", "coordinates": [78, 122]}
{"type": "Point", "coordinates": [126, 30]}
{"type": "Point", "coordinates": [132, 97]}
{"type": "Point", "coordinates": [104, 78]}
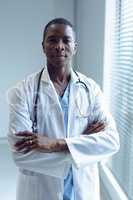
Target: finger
{"type": "Point", "coordinates": [24, 145]}
{"type": "Point", "coordinates": [96, 129]}
{"type": "Point", "coordinates": [24, 133]}
{"type": "Point", "coordinates": [29, 138]}
{"type": "Point", "coordinates": [19, 142]}
{"type": "Point", "coordinates": [92, 127]}
{"type": "Point", "coordinates": [27, 150]}
{"type": "Point", "coordinates": [97, 124]}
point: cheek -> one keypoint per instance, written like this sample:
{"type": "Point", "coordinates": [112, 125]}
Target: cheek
{"type": "Point", "coordinates": [49, 50]}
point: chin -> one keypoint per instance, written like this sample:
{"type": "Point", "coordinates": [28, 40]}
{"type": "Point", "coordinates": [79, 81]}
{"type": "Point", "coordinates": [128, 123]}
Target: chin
{"type": "Point", "coordinates": [59, 63]}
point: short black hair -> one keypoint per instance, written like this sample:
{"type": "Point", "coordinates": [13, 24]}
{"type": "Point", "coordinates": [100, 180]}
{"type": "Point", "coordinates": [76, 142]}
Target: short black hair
{"type": "Point", "coordinates": [57, 21]}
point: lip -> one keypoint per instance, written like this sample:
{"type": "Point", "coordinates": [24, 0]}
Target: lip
{"type": "Point", "coordinates": [60, 55]}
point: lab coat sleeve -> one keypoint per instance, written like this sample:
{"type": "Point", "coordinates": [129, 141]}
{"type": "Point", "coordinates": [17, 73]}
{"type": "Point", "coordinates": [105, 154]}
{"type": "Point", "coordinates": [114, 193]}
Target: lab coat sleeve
{"type": "Point", "coordinates": [87, 149]}
{"type": "Point", "coordinates": [53, 164]}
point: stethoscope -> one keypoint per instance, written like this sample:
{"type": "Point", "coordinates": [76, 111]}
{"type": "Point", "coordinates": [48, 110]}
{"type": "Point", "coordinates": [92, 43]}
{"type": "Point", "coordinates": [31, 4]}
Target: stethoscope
{"type": "Point", "coordinates": [34, 124]}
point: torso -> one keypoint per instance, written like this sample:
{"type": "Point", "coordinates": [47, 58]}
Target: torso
{"type": "Point", "coordinates": [60, 86]}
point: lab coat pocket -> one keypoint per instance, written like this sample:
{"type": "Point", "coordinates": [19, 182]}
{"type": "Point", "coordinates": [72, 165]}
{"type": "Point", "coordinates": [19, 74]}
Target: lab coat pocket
{"type": "Point", "coordinates": [82, 115]}
{"type": "Point", "coordinates": [83, 121]}
{"type": "Point", "coordinates": [78, 123]}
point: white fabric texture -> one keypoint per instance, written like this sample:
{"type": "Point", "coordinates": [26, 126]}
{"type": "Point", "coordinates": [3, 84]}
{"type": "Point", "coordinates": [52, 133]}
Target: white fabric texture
{"type": "Point", "coordinates": [42, 174]}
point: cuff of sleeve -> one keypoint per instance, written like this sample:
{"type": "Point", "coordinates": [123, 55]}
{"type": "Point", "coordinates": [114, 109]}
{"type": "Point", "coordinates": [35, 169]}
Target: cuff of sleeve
{"type": "Point", "coordinates": [74, 156]}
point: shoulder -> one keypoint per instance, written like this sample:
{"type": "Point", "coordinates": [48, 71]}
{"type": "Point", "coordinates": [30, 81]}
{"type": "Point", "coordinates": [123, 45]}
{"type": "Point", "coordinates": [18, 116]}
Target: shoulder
{"type": "Point", "coordinates": [95, 93]}
{"type": "Point", "coordinates": [91, 84]}
{"type": "Point", "coordinates": [23, 88]}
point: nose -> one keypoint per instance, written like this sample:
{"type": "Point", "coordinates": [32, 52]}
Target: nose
{"type": "Point", "coordinates": [60, 46]}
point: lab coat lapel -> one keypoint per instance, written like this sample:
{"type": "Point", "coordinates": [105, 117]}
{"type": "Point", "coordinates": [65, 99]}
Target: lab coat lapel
{"type": "Point", "coordinates": [49, 89]}
{"type": "Point", "coordinates": [72, 99]}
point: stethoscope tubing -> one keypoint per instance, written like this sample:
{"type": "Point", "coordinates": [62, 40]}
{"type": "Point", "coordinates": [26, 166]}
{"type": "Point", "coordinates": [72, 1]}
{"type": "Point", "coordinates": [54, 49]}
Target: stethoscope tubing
{"type": "Point", "coordinates": [34, 124]}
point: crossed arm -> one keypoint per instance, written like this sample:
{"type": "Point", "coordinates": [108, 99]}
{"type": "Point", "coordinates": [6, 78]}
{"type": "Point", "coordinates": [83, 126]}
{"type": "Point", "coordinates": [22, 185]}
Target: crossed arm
{"type": "Point", "coordinates": [84, 149]}
{"type": "Point", "coordinates": [44, 144]}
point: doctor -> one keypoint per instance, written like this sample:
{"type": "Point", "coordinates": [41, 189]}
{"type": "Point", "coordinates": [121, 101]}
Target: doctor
{"type": "Point", "coordinates": [59, 126]}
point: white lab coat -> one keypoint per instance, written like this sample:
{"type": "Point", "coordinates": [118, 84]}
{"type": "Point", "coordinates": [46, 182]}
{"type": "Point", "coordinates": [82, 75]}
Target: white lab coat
{"type": "Point", "coordinates": [41, 175]}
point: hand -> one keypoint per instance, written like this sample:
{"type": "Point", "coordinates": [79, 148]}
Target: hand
{"type": "Point", "coordinates": [38, 142]}
{"type": "Point", "coordinates": [95, 127]}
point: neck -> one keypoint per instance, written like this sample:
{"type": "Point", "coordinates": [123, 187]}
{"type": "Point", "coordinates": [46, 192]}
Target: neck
{"type": "Point", "coordinates": [59, 73]}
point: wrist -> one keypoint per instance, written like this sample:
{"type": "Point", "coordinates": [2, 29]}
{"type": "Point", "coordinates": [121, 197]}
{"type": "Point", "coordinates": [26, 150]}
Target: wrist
{"type": "Point", "coordinates": [62, 145]}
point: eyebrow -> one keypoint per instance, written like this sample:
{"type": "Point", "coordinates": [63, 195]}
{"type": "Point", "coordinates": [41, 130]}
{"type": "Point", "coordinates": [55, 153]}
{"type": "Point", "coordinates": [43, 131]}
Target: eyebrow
{"type": "Point", "coordinates": [68, 37]}
{"type": "Point", "coordinates": [53, 36]}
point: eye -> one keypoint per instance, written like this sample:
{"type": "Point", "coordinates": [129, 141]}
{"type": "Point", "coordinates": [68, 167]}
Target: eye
{"type": "Point", "coordinates": [67, 40]}
{"type": "Point", "coordinates": [52, 40]}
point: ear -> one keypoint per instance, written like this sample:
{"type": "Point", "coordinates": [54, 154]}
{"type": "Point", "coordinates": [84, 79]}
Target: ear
{"type": "Point", "coordinates": [43, 46]}
{"type": "Point", "coordinates": [75, 47]}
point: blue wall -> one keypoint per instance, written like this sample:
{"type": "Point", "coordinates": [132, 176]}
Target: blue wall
{"type": "Point", "coordinates": [21, 28]}
{"type": "Point", "coordinates": [90, 24]}
{"type": "Point", "coordinates": [22, 24]}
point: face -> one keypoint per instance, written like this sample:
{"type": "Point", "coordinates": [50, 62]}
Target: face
{"type": "Point", "coordinates": [59, 44]}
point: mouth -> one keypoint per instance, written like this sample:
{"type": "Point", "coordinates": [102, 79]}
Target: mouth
{"type": "Point", "coordinates": [60, 56]}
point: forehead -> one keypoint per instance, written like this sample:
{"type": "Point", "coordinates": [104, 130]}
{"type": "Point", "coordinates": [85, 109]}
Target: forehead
{"type": "Point", "coordinates": [60, 30]}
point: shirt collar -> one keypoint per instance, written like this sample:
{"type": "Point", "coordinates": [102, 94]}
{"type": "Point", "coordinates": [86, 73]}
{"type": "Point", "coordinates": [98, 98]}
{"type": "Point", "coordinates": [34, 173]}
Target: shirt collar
{"type": "Point", "coordinates": [46, 78]}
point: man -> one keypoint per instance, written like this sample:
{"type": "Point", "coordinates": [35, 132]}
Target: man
{"type": "Point", "coordinates": [59, 125]}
